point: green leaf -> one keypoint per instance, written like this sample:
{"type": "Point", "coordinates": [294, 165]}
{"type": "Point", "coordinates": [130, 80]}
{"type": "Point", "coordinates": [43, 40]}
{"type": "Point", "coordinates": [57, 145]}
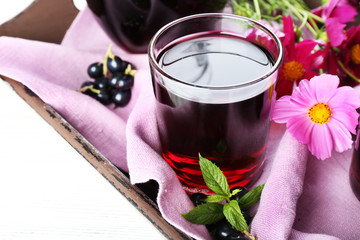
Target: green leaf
{"type": "Point", "coordinates": [215, 198]}
{"type": "Point", "coordinates": [206, 213]}
{"type": "Point", "coordinates": [250, 198]}
{"type": "Point", "coordinates": [213, 177]}
{"type": "Point", "coordinates": [234, 216]}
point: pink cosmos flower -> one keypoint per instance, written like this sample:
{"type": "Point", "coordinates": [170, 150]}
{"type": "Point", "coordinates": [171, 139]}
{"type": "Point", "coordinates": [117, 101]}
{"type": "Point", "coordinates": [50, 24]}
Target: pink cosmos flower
{"type": "Point", "coordinates": [320, 115]}
{"type": "Point", "coordinates": [336, 13]}
{"type": "Point", "coordinates": [299, 60]}
{"type": "Point", "coordinates": [343, 10]}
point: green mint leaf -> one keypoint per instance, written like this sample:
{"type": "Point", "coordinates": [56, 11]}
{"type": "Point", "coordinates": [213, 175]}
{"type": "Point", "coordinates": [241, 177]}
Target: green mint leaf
{"type": "Point", "coordinates": [234, 216]}
{"type": "Point", "coordinates": [213, 177]}
{"type": "Point", "coordinates": [206, 213]}
{"type": "Point", "coordinates": [215, 198]}
{"type": "Point", "coordinates": [250, 198]}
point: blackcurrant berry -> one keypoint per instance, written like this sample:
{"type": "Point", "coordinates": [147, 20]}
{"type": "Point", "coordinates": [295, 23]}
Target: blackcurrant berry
{"type": "Point", "coordinates": [239, 194]}
{"type": "Point", "coordinates": [247, 216]}
{"type": "Point", "coordinates": [101, 82]}
{"type": "Point", "coordinates": [126, 65]}
{"type": "Point", "coordinates": [121, 97]}
{"type": "Point", "coordinates": [115, 65]}
{"type": "Point", "coordinates": [86, 84]}
{"type": "Point", "coordinates": [236, 236]}
{"type": "Point", "coordinates": [113, 81]}
{"type": "Point", "coordinates": [85, 88]}
{"type": "Point", "coordinates": [126, 82]}
{"type": "Point", "coordinates": [95, 70]}
{"type": "Point", "coordinates": [198, 198]}
{"type": "Point", "coordinates": [223, 229]}
{"type": "Point", "coordinates": [103, 96]}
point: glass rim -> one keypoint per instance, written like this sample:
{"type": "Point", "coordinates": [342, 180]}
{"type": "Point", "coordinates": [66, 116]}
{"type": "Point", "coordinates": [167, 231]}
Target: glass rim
{"type": "Point", "coordinates": [158, 68]}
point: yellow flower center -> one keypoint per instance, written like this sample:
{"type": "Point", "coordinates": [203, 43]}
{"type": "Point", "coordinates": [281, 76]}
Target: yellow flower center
{"type": "Point", "coordinates": [320, 113]}
{"type": "Point", "coordinates": [355, 53]}
{"type": "Point", "coordinates": [293, 71]}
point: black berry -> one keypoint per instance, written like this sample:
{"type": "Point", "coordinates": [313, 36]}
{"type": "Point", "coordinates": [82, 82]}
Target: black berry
{"type": "Point", "coordinates": [86, 88]}
{"type": "Point", "coordinates": [87, 84]}
{"type": "Point", "coordinates": [113, 81]}
{"type": "Point", "coordinates": [95, 70]}
{"type": "Point", "coordinates": [126, 65]}
{"type": "Point", "coordinates": [236, 236]}
{"type": "Point", "coordinates": [115, 65]}
{"type": "Point", "coordinates": [126, 82]}
{"type": "Point", "coordinates": [101, 82]}
{"type": "Point", "coordinates": [121, 97]}
{"type": "Point", "coordinates": [198, 198]}
{"type": "Point", "coordinates": [103, 96]}
{"type": "Point", "coordinates": [224, 229]}
{"type": "Point", "coordinates": [247, 217]}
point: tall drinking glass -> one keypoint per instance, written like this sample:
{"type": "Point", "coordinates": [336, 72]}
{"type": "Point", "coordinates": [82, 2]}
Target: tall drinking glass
{"type": "Point", "coordinates": [213, 77]}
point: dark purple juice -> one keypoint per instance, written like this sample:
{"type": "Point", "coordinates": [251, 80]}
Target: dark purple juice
{"type": "Point", "coordinates": [132, 23]}
{"type": "Point", "coordinates": [355, 169]}
{"type": "Point", "coordinates": [232, 133]}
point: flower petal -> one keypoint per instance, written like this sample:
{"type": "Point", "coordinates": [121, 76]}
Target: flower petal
{"type": "Point", "coordinates": [329, 8]}
{"type": "Point", "coordinates": [334, 30]}
{"type": "Point", "coordinates": [325, 86]}
{"type": "Point", "coordinates": [289, 40]}
{"type": "Point", "coordinates": [347, 116]}
{"type": "Point", "coordinates": [284, 110]}
{"type": "Point", "coordinates": [304, 95]}
{"type": "Point", "coordinates": [341, 137]}
{"type": "Point", "coordinates": [321, 142]}
{"type": "Point", "coordinates": [345, 13]}
{"type": "Point", "coordinates": [283, 86]}
{"type": "Point", "coordinates": [345, 96]}
{"type": "Point", "coordinates": [300, 127]}
{"type": "Point", "coordinates": [303, 50]}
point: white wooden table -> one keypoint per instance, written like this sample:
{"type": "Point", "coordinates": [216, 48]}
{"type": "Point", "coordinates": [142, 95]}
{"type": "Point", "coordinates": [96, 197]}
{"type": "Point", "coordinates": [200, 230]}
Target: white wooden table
{"type": "Point", "coordinates": [40, 196]}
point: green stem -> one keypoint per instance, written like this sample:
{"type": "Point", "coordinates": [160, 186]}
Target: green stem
{"type": "Point", "coordinates": [348, 72]}
{"type": "Point", "coordinates": [264, 5]}
{"type": "Point", "coordinates": [316, 17]}
{"type": "Point", "coordinates": [298, 15]}
{"type": "Point", "coordinates": [257, 9]}
{"type": "Point", "coordinates": [311, 20]}
{"type": "Point", "coordinates": [272, 18]}
{"type": "Point", "coordinates": [303, 22]}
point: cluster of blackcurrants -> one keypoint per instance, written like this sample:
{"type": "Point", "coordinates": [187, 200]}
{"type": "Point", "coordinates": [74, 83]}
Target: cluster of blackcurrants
{"type": "Point", "coordinates": [223, 230]}
{"type": "Point", "coordinates": [112, 81]}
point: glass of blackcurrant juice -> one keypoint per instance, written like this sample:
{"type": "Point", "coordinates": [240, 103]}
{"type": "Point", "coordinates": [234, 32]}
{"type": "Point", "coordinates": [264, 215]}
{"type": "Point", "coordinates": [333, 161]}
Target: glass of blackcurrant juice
{"type": "Point", "coordinates": [213, 77]}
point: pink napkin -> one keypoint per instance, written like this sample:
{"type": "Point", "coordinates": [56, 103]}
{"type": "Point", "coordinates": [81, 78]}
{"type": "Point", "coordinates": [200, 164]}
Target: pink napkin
{"type": "Point", "coordinates": [303, 198]}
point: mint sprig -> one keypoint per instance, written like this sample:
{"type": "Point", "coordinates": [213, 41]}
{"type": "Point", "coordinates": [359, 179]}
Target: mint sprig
{"type": "Point", "coordinates": [234, 216]}
{"type": "Point", "coordinates": [250, 198]}
{"type": "Point", "coordinates": [206, 213]}
{"type": "Point", "coordinates": [213, 210]}
{"type": "Point", "coordinates": [213, 177]}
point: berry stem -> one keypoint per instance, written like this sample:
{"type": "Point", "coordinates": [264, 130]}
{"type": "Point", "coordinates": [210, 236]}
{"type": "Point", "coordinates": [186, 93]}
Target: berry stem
{"type": "Point", "coordinates": [248, 235]}
{"type": "Point", "coordinates": [130, 71]}
{"type": "Point", "coordinates": [91, 88]}
{"type": "Point", "coordinates": [109, 54]}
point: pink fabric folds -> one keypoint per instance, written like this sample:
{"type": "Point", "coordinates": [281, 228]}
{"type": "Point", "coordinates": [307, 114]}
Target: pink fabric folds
{"type": "Point", "coordinates": [303, 198]}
